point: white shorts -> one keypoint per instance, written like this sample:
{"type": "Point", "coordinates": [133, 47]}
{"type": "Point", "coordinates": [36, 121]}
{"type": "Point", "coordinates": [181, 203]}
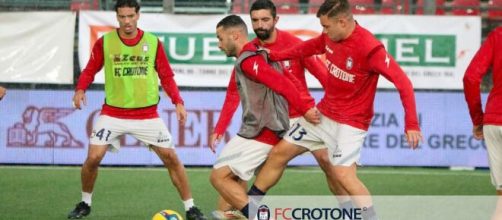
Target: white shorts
{"type": "Point", "coordinates": [108, 131]}
{"type": "Point", "coordinates": [243, 156]}
{"type": "Point", "coordinates": [312, 148]}
{"type": "Point", "coordinates": [344, 142]}
{"type": "Point", "coordinates": [493, 138]}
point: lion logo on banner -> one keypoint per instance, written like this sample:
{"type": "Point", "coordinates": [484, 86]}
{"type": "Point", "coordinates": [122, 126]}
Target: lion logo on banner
{"type": "Point", "coordinates": [41, 128]}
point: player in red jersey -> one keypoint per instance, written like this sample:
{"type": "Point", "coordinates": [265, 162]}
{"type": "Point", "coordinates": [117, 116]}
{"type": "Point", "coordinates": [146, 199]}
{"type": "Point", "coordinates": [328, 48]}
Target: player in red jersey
{"type": "Point", "coordinates": [263, 92]}
{"type": "Point", "coordinates": [488, 125]}
{"type": "Point", "coordinates": [355, 61]}
{"type": "Point", "coordinates": [264, 19]}
{"type": "Point", "coordinates": [133, 61]}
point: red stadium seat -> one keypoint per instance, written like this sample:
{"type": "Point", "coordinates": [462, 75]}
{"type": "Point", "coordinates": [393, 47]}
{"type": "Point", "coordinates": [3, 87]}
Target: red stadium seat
{"type": "Point", "coordinates": [77, 5]}
{"type": "Point", "coordinates": [465, 7]}
{"type": "Point", "coordinates": [439, 7]}
{"type": "Point", "coordinates": [363, 6]}
{"type": "Point", "coordinates": [314, 5]}
{"type": "Point", "coordinates": [495, 10]}
{"type": "Point", "coordinates": [283, 6]}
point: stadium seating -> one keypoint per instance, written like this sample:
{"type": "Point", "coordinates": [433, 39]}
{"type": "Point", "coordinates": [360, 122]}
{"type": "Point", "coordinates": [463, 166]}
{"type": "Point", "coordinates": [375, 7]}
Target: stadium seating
{"type": "Point", "coordinates": [283, 6]}
{"type": "Point", "coordinates": [439, 7]}
{"type": "Point", "coordinates": [363, 6]}
{"type": "Point", "coordinates": [465, 7]}
{"type": "Point", "coordinates": [395, 7]}
{"type": "Point", "coordinates": [77, 5]}
{"type": "Point", "coordinates": [495, 10]}
{"type": "Point", "coordinates": [314, 6]}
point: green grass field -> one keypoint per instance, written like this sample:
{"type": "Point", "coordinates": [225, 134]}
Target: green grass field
{"type": "Point", "coordinates": [49, 192]}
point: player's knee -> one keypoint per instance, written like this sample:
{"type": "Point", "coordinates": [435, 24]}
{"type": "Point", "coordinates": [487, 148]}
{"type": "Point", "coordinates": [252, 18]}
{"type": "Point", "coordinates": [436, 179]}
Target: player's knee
{"type": "Point", "coordinates": [344, 175]}
{"type": "Point", "coordinates": [93, 160]}
{"type": "Point", "coordinates": [215, 178]}
{"type": "Point", "coordinates": [169, 158]}
{"type": "Point", "coordinates": [277, 157]}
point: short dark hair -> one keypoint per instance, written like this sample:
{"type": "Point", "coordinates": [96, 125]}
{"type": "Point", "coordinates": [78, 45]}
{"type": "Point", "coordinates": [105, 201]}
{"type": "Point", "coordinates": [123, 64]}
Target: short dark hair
{"type": "Point", "coordinates": [232, 21]}
{"type": "Point", "coordinates": [264, 4]}
{"type": "Point", "coordinates": [332, 8]}
{"type": "Point", "coordinates": [127, 3]}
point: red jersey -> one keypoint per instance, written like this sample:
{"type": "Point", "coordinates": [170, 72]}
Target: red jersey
{"type": "Point", "coordinates": [284, 85]}
{"type": "Point", "coordinates": [488, 55]}
{"type": "Point", "coordinates": [296, 67]}
{"type": "Point", "coordinates": [166, 75]}
{"type": "Point", "coordinates": [354, 65]}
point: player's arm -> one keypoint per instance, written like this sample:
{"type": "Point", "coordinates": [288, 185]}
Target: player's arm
{"type": "Point", "coordinates": [256, 68]}
{"type": "Point", "coordinates": [227, 112]}
{"type": "Point", "coordinates": [317, 68]}
{"type": "Point", "coordinates": [166, 76]}
{"type": "Point", "coordinates": [3, 91]}
{"type": "Point", "coordinates": [300, 51]}
{"type": "Point", "coordinates": [474, 74]}
{"type": "Point", "coordinates": [87, 75]}
{"type": "Point", "coordinates": [381, 62]}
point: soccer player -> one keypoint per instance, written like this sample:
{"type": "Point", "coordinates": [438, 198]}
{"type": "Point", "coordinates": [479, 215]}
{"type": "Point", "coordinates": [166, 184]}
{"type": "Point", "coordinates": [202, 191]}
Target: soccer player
{"type": "Point", "coordinates": [3, 91]}
{"type": "Point", "coordinates": [261, 87]}
{"type": "Point", "coordinates": [355, 60]}
{"type": "Point", "coordinates": [264, 19]}
{"type": "Point", "coordinates": [488, 125]}
{"type": "Point", "coordinates": [131, 88]}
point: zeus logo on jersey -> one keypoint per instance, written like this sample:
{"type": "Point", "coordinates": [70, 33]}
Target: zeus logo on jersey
{"type": "Point", "coordinates": [340, 74]}
{"type": "Point", "coordinates": [255, 68]}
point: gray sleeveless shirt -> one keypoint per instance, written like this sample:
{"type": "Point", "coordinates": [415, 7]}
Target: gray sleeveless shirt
{"type": "Point", "coordinates": [261, 107]}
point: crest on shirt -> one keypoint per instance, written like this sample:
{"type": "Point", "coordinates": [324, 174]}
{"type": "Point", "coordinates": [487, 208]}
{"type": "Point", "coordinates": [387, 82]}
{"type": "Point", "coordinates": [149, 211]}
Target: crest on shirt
{"type": "Point", "coordinates": [286, 64]}
{"type": "Point", "coordinates": [349, 63]}
{"type": "Point", "coordinates": [145, 47]}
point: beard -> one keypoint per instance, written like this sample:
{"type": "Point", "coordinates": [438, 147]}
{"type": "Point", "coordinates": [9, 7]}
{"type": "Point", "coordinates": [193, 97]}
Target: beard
{"type": "Point", "coordinates": [262, 34]}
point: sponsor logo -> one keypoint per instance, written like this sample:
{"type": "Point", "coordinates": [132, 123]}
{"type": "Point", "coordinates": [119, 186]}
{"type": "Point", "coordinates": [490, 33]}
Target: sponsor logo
{"type": "Point", "coordinates": [40, 127]}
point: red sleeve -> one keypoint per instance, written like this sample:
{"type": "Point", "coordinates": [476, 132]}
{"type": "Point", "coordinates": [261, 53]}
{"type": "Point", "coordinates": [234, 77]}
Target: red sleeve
{"type": "Point", "coordinates": [93, 66]}
{"type": "Point", "coordinates": [229, 107]}
{"type": "Point", "coordinates": [256, 68]}
{"type": "Point", "coordinates": [317, 68]}
{"type": "Point", "coordinates": [381, 62]}
{"type": "Point", "coordinates": [301, 50]}
{"type": "Point", "coordinates": [166, 76]}
{"type": "Point", "coordinates": [475, 72]}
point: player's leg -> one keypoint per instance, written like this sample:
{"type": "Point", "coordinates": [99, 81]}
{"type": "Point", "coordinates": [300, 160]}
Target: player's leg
{"type": "Point", "coordinates": [321, 156]}
{"type": "Point", "coordinates": [154, 134]}
{"type": "Point", "coordinates": [493, 139]}
{"type": "Point", "coordinates": [237, 161]}
{"type": "Point", "coordinates": [104, 135]}
{"type": "Point", "coordinates": [275, 165]}
{"type": "Point", "coordinates": [224, 210]}
{"type": "Point", "coordinates": [227, 184]}
{"type": "Point", "coordinates": [344, 145]}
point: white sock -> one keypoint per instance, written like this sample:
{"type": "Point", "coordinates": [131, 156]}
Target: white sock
{"type": "Point", "coordinates": [87, 198]}
{"type": "Point", "coordinates": [188, 204]}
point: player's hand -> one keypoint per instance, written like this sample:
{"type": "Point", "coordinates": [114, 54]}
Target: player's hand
{"type": "Point", "coordinates": [214, 140]}
{"type": "Point", "coordinates": [79, 98]}
{"type": "Point", "coordinates": [414, 137]}
{"type": "Point", "coordinates": [313, 116]}
{"type": "Point", "coordinates": [3, 91]}
{"type": "Point", "coordinates": [181, 114]}
{"type": "Point", "coordinates": [477, 132]}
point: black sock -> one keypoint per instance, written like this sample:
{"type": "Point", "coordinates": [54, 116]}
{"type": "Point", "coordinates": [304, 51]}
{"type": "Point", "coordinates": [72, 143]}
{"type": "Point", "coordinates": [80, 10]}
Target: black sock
{"type": "Point", "coordinates": [245, 210]}
{"type": "Point", "coordinates": [254, 191]}
{"type": "Point", "coordinates": [369, 214]}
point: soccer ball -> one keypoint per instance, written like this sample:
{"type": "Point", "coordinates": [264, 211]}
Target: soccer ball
{"type": "Point", "coordinates": [167, 215]}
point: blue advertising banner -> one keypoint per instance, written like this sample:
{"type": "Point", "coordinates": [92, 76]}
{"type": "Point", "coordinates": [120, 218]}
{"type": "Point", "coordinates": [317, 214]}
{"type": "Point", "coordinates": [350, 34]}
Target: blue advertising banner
{"type": "Point", "coordinates": [42, 127]}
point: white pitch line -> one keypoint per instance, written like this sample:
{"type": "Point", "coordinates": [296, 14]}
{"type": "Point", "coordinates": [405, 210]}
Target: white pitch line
{"type": "Point", "coordinates": [292, 170]}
